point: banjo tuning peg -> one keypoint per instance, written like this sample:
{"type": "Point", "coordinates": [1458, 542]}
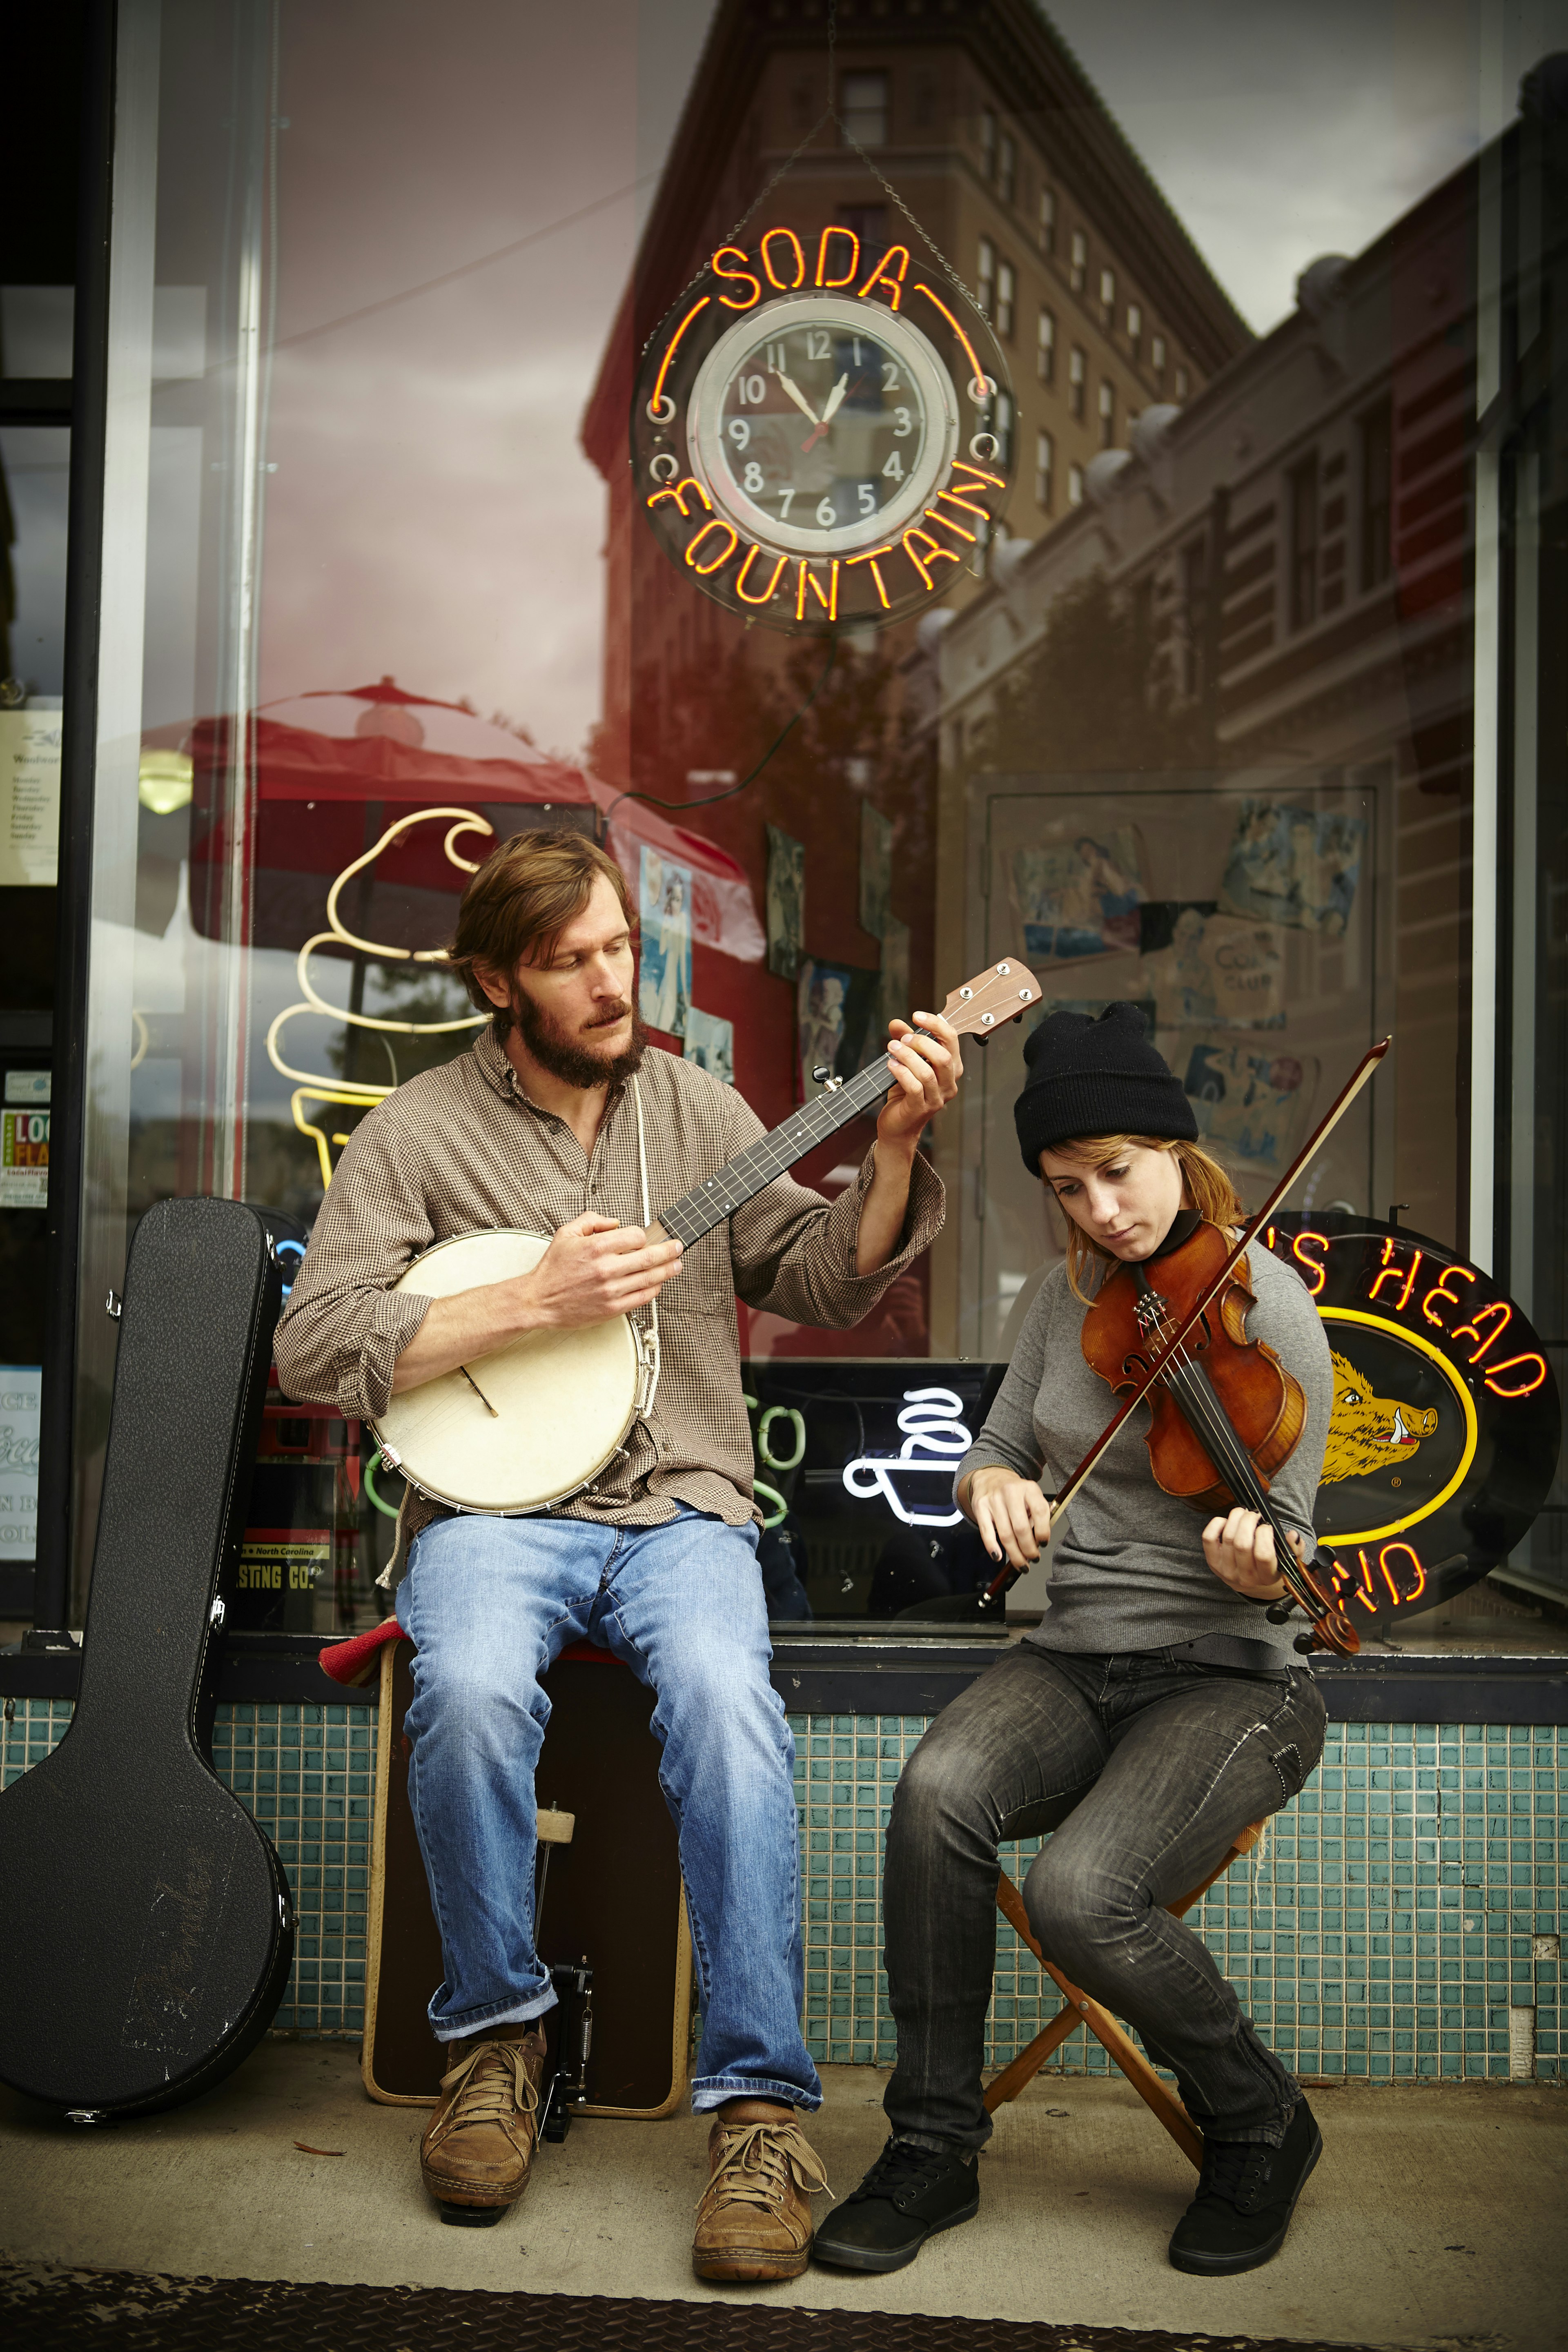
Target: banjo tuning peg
{"type": "Point", "coordinates": [821, 1074]}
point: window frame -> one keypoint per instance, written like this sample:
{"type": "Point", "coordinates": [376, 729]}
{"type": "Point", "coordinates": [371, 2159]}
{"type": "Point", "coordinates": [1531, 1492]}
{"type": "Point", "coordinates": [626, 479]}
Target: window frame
{"type": "Point", "coordinates": [848, 110]}
{"type": "Point", "coordinates": [1374, 521]}
{"type": "Point", "coordinates": [1005, 425]}
{"type": "Point", "coordinates": [1044, 470]}
{"type": "Point", "coordinates": [1303, 602]}
{"type": "Point", "coordinates": [1046, 344]}
{"type": "Point", "coordinates": [1007, 299]}
{"type": "Point", "coordinates": [1195, 591]}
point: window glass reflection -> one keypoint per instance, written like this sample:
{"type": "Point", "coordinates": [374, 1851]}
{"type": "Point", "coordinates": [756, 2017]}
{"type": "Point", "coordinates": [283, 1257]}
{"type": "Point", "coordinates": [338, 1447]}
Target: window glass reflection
{"type": "Point", "coordinates": [1194, 727]}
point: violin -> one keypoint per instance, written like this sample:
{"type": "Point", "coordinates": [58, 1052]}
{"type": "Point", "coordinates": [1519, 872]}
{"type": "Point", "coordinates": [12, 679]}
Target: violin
{"type": "Point", "coordinates": [1226, 1414]}
{"type": "Point", "coordinates": [1174, 1345]}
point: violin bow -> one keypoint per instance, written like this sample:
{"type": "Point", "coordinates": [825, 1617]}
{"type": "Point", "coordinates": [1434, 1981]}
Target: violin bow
{"type": "Point", "coordinates": [1304, 1160]}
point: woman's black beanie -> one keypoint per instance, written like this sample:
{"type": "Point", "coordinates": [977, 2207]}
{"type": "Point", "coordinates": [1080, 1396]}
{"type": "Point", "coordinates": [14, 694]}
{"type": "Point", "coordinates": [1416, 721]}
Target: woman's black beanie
{"type": "Point", "coordinates": [1096, 1077]}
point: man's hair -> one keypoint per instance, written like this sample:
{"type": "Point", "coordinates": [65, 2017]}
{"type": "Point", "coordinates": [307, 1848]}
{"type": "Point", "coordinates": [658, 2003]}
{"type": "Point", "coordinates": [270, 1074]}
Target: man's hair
{"type": "Point", "coordinates": [520, 902]}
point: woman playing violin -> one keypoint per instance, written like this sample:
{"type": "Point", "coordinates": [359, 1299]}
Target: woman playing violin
{"type": "Point", "coordinates": [1155, 1712]}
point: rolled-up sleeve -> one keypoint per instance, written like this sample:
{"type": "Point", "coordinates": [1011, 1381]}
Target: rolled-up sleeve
{"type": "Point", "coordinates": [344, 1327]}
{"type": "Point", "coordinates": [794, 1254]}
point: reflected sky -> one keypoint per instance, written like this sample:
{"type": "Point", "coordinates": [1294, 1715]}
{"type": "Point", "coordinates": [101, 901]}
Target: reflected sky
{"type": "Point", "coordinates": [433, 516]}
{"type": "Point", "coordinates": [1279, 130]}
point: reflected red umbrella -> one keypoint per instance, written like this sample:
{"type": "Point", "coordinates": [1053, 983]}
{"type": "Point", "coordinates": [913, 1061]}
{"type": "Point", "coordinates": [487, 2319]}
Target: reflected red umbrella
{"type": "Point", "coordinates": [334, 771]}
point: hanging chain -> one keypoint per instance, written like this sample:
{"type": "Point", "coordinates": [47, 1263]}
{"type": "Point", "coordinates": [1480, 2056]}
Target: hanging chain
{"type": "Point", "coordinates": [830, 114]}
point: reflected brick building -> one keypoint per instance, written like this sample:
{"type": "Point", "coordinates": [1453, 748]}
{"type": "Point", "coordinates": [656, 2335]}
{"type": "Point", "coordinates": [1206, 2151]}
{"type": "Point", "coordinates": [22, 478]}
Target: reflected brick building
{"type": "Point", "coordinates": [982, 124]}
{"type": "Point", "coordinates": [990, 132]}
{"type": "Point", "coordinates": [1296, 549]}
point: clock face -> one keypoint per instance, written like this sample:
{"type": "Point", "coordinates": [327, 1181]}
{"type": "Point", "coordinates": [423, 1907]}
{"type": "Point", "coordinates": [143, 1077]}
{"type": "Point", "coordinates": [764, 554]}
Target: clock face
{"type": "Point", "coordinates": [820, 425]}
{"type": "Point", "coordinates": [814, 458]}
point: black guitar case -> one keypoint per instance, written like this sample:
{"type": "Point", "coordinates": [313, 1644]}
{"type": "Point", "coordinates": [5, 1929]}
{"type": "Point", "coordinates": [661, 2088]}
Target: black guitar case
{"type": "Point", "coordinates": [146, 1926]}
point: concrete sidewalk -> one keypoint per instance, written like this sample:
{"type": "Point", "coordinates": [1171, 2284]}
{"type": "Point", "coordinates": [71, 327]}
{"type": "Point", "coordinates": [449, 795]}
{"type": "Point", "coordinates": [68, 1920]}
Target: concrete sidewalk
{"type": "Point", "coordinates": [1434, 2219]}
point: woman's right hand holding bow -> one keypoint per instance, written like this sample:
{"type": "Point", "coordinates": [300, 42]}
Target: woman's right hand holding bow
{"type": "Point", "coordinates": [1011, 1513]}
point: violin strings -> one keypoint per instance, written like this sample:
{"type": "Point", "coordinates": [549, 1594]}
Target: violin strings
{"type": "Point", "coordinates": [1187, 1378]}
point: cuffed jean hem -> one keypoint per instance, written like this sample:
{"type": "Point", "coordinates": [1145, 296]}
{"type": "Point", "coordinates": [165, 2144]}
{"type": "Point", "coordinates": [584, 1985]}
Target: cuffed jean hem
{"type": "Point", "coordinates": [516, 2012]}
{"type": "Point", "coordinates": [712, 2090]}
{"type": "Point", "coordinates": [1270, 2135]}
{"type": "Point", "coordinates": [939, 2146]}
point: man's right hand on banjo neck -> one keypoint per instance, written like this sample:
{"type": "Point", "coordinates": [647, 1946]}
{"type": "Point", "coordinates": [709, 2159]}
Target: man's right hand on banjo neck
{"type": "Point", "coordinates": [593, 1269]}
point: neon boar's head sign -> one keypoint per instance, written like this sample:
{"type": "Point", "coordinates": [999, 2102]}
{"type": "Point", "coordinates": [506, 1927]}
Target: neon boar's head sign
{"type": "Point", "coordinates": [1445, 1423]}
{"type": "Point", "coordinates": [822, 432]}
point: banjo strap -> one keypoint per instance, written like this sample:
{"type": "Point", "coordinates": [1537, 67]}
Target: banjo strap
{"type": "Point", "coordinates": [649, 1337]}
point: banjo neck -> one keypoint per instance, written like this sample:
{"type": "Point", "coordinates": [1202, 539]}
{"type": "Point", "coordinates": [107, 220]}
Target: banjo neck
{"type": "Point", "coordinates": [751, 1171]}
{"type": "Point", "coordinates": [1000, 993]}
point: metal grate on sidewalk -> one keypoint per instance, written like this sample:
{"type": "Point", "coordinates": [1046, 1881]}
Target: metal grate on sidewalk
{"type": "Point", "coordinates": [42, 2308]}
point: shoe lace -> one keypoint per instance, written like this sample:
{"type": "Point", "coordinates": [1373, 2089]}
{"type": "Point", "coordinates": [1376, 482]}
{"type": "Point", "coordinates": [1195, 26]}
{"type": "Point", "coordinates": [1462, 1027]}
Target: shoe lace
{"type": "Point", "coordinates": [903, 2169]}
{"type": "Point", "coordinates": [759, 2160]}
{"type": "Point", "coordinates": [1236, 2170]}
{"type": "Point", "coordinates": [491, 2085]}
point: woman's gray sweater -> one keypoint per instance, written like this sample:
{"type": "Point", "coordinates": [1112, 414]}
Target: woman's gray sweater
{"type": "Point", "coordinates": [1126, 1562]}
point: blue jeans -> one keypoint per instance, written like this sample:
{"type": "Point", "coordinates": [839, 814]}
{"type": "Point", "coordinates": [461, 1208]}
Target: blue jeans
{"type": "Point", "coordinates": [490, 1604]}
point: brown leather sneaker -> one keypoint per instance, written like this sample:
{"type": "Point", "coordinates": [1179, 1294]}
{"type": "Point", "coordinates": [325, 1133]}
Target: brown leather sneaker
{"type": "Point", "coordinates": [474, 2157]}
{"type": "Point", "coordinates": [753, 2219]}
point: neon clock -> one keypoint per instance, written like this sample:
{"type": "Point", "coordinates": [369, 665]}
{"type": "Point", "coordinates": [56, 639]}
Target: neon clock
{"type": "Point", "coordinates": [820, 435]}
{"type": "Point", "coordinates": [1445, 1423]}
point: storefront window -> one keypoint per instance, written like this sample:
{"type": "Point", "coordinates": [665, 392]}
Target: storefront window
{"type": "Point", "coordinates": [35, 473]}
{"type": "Point", "coordinates": [1257, 724]}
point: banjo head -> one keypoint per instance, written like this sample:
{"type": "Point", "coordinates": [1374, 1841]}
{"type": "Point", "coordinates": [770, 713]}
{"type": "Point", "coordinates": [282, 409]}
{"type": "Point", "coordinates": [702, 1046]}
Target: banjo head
{"type": "Point", "coordinates": [563, 1400]}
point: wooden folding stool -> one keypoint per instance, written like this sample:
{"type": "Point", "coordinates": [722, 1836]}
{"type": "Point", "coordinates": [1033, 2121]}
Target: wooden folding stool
{"type": "Point", "coordinates": [1080, 2011]}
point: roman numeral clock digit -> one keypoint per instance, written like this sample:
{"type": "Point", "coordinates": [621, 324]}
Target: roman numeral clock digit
{"type": "Point", "coordinates": [810, 432]}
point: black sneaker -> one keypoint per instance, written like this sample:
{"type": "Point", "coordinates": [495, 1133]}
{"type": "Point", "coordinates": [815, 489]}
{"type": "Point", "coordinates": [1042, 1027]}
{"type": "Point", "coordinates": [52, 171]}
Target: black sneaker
{"type": "Point", "coordinates": [1245, 2197]}
{"type": "Point", "coordinates": [907, 2197]}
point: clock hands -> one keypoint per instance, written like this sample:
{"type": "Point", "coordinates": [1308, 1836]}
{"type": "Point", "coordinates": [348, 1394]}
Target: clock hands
{"type": "Point", "coordinates": [797, 394]}
{"type": "Point", "coordinates": [830, 410]}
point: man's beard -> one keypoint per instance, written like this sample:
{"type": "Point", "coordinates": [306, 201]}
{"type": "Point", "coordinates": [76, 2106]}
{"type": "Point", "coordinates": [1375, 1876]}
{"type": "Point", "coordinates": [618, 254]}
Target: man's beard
{"type": "Point", "coordinates": [570, 1058]}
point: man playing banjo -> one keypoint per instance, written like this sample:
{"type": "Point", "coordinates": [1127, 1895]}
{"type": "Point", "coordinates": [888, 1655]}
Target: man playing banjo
{"type": "Point", "coordinates": [558, 1122]}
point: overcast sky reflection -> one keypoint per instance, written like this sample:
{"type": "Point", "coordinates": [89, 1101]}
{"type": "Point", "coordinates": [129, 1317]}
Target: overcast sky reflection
{"type": "Point", "coordinates": [434, 517]}
{"type": "Point", "coordinates": [1279, 130]}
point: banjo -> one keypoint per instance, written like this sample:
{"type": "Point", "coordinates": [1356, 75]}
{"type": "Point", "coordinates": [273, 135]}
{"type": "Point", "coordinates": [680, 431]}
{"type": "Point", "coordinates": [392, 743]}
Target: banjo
{"type": "Point", "coordinates": [536, 1422]}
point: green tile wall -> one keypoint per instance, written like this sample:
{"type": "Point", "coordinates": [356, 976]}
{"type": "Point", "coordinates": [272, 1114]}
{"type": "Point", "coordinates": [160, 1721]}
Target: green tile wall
{"type": "Point", "coordinates": [1397, 1912]}
{"type": "Point", "coordinates": [1405, 1902]}
{"type": "Point", "coordinates": [306, 1773]}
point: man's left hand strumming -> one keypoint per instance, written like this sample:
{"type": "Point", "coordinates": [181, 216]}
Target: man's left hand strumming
{"type": "Point", "coordinates": [927, 1065]}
